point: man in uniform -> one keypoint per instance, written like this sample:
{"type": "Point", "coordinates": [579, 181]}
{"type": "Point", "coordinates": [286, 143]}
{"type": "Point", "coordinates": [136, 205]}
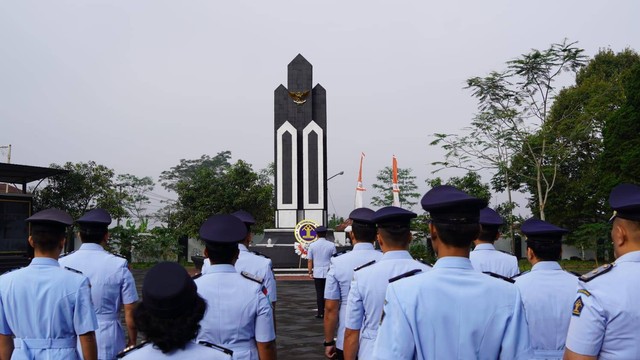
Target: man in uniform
{"type": "Point", "coordinates": [112, 284]}
{"type": "Point", "coordinates": [547, 291]}
{"type": "Point", "coordinates": [452, 311]}
{"type": "Point", "coordinates": [366, 296]}
{"type": "Point", "coordinates": [336, 291]}
{"type": "Point", "coordinates": [318, 258]}
{"type": "Point", "coordinates": [44, 308]}
{"type": "Point", "coordinates": [238, 315]}
{"type": "Point", "coordinates": [485, 257]}
{"type": "Point", "coordinates": [604, 321]}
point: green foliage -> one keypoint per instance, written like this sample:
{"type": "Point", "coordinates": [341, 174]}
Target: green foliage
{"type": "Point", "coordinates": [157, 244]}
{"type": "Point", "coordinates": [384, 187]}
{"type": "Point", "coordinates": [420, 247]}
{"type": "Point", "coordinates": [208, 186]}
{"type": "Point", "coordinates": [471, 183]}
{"type": "Point", "coordinates": [123, 238]}
{"type": "Point", "coordinates": [334, 221]}
{"type": "Point", "coordinates": [132, 191]}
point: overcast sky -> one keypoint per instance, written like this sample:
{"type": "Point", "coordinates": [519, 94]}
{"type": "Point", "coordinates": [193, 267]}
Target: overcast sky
{"type": "Point", "coordinates": [138, 85]}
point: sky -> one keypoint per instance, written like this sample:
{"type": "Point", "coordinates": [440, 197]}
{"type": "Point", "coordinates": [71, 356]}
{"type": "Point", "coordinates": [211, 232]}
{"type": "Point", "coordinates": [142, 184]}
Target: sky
{"type": "Point", "coordinates": [139, 85]}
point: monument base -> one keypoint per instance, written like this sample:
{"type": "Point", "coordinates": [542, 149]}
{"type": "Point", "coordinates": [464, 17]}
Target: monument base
{"type": "Point", "coordinates": [277, 244]}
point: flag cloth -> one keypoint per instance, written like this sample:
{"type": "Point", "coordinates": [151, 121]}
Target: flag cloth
{"type": "Point", "coordinates": [394, 184]}
{"type": "Point", "coordinates": [359, 187]}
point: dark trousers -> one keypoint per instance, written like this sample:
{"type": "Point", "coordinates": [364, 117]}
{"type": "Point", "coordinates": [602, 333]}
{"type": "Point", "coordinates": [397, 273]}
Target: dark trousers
{"type": "Point", "coordinates": [339, 354]}
{"type": "Point", "coordinates": [319, 283]}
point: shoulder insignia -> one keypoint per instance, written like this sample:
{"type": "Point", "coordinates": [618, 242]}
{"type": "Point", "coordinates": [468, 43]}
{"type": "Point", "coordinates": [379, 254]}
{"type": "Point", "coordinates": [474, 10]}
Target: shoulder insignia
{"type": "Point", "coordinates": [596, 272]}
{"type": "Point", "coordinates": [120, 256]}
{"type": "Point", "coordinates": [522, 273]}
{"type": "Point", "coordinates": [252, 277]}
{"type": "Point", "coordinates": [74, 270]}
{"type": "Point", "coordinates": [584, 291]}
{"type": "Point", "coordinates": [130, 349]}
{"type": "Point", "coordinates": [574, 273]}
{"type": "Point", "coordinates": [402, 276]}
{"type": "Point", "coordinates": [505, 252]}
{"type": "Point", "coordinates": [196, 276]}
{"type": "Point", "coordinates": [577, 306]}
{"type": "Point", "coordinates": [498, 276]}
{"type": "Point", "coordinates": [426, 263]}
{"type": "Point", "coordinates": [217, 347]}
{"type": "Point", "coordinates": [65, 254]}
{"type": "Point", "coordinates": [340, 253]}
{"type": "Point", "coordinates": [259, 254]}
{"type": "Point", "coordinates": [365, 265]}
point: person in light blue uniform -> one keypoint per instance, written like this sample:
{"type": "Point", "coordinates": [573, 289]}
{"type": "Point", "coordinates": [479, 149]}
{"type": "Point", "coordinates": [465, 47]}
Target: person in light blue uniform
{"type": "Point", "coordinates": [44, 308]}
{"type": "Point", "coordinates": [547, 290]}
{"type": "Point", "coordinates": [250, 262]}
{"type": "Point", "coordinates": [605, 313]}
{"type": "Point", "coordinates": [238, 315]}
{"type": "Point", "coordinates": [485, 257]}
{"type": "Point", "coordinates": [112, 284]}
{"type": "Point", "coordinates": [169, 318]}
{"type": "Point", "coordinates": [452, 311]}
{"type": "Point", "coordinates": [318, 259]}
{"type": "Point", "coordinates": [336, 291]}
{"type": "Point", "coordinates": [366, 296]}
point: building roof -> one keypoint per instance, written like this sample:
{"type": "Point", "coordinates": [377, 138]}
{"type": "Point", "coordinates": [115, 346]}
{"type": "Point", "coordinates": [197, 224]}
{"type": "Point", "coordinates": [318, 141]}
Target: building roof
{"type": "Point", "coordinates": [24, 174]}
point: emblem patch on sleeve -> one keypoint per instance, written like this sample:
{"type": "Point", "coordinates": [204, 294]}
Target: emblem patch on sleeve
{"type": "Point", "coordinates": [584, 291]}
{"type": "Point", "coordinates": [577, 306]}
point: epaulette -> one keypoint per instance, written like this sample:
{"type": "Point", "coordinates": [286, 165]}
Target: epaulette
{"type": "Point", "coordinates": [260, 254]}
{"type": "Point", "coordinates": [65, 254]}
{"type": "Point", "coordinates": [407, 274]}
{"type": "Point", "coordinates": [252, 277]}
{"type": "Point", "coordinates": [74, 270]}
{"type": "Point", "coordinates": [506, 252]}
{"type": "Point", "coordinates": [596, 272]}
{"type": "Point", "coordinates": [426, 263]}
{"type": "Point", "coordinates": [340, 253]}
{"type": "Point", "coordinates": [217, 347]}
{"type": "Point", "coordinates": [196, 276]}
{"type": "Point", "coordinates": [365, 265]}
{"type": "Point", "coordinates": [128, 350]}
{"type": "Point", "coordinates": [498, 276]}
{"type": "Point", "coordinates": [574, 273]}
{"type": "Point", "coordinates": [522, 273]}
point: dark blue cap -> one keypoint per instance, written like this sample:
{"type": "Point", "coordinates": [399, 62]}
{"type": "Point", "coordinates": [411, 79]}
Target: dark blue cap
{"type": "Point", "coordinates": [446, 204]}
{"type": "Point", "coordinates": [51, 216]}
{"type": "Point", "coordinates": [488, 216]}
{"type": "Point", "coordinates": [362, 215]}
{"type": "Point", "coordinates": [392, 215]}
{"type": "Point", "coordinates": [539, 230]}
{"type": "Point", "coordinates": [625, 201]}
{"type": "Point", "coordinates": [321, 229]}
{"type": "Point", "coordinates": [245, 217]}
{"type": "Point", "coordinates": [168, 290]}
{"type": "Point", "coordinates": [223, 229]}
{"type": "Point", "coordinates": [96, 216]}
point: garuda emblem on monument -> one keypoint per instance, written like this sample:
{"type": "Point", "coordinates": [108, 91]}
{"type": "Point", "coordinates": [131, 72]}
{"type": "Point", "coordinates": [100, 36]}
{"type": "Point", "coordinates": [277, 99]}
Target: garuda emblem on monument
{"type": "Point", "coordinates": [299, 97]}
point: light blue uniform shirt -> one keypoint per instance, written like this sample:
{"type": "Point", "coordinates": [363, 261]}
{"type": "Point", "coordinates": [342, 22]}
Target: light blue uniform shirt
{"type": "Point", "coordinates": [547, 293]}
{"type": "Point", "coordinates": [111, 286]}
{"type": "Point", "coordinates": [257, 265]}
{"type": "Point", "coordinates": [238, 312]}
{"type": "Point", "coordinates": [485, 257]}
{"type": "Point", "coordinates": [192, 351]}
{"type": "Point", "coordinates": [452, 312]}
{"type": "Point", "coordinates": [320, 251]}
{"type": "Point", "coordinates": [45, 307]}
{"type": "Point", "coordinates": [606, 314]}
{"type": "Point", "coordinates": [366, 296]}
{"type": "Point", "coordinates": [340, 276]}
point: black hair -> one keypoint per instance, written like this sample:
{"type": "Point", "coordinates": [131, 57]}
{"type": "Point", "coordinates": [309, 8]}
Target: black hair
{"type": "Point", "coordinates": [93, 235]}
{"type": "Point", "coordinates": [47, 237]}
{"type": "Point", "coordinates": [545, 250]}
{"type": "Point", "coordinates": [396, 234]}
{"type": "Point", "coordinates": [171, 333]}
{"type": "Point", "coordinates": [321, 234]}
{"type": "Point", "coordinates": [364, 232]}
{"type": "Point", "coordinates": [488, 233]}
{"type": "Point", "coordinates": [457, 235]}
{"type": "Point", "coordinates": [222, 253]}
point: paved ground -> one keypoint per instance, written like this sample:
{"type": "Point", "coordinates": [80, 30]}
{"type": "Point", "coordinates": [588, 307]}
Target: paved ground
{"type": "Point", "coordinates": [299, 333]}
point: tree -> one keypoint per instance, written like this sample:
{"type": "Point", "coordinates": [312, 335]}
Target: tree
{"type": "Point", "coordinates": [471, 183]}
{"type": "Point", "coordinates": [406, 183]}
{"type": "Point", "coordinates": [208, 186]}
{"type": "Point", "coordinates": [514, 105]}
{"type": "Point", "coordinates": [132, 194]}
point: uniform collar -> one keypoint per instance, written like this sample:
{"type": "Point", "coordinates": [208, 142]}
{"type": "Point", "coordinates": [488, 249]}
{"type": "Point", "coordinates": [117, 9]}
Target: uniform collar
{"type": "Point", "coordinates": [241, 247]}
{"type": "Point", "coordinates": [363, 246]}
{"type": "Point", "coordinates": [396, 254]}
{"type": "Point", "coordinates": [456, 262]}
{"type": "Point", "coordinates": [44, 261]}
{"type": "Point", "coordinates": [633, 256]}
{"type": "Point", "coordinates": [91, 246]}
{"type": "Point", "coordinates": [484, 247]}
{"type": "Point", "coordinates": [221, 268]}
{"type": "Point", "coordinates": [546, 265]}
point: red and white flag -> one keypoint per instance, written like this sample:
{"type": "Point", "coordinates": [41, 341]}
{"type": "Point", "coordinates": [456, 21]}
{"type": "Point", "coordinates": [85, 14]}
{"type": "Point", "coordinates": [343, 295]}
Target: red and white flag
{"type": "Point", "coordinates": [359, 187]}
{"type": "Point", "coordinates": [394, 184]}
